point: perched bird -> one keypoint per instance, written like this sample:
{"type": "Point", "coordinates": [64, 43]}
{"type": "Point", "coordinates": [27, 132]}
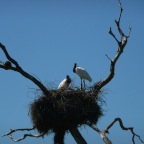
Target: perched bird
{"type": "Point", "coordinates": [82, 73]}
{"type": "Point", "coordinates": [65, 83]}
{"type": "Point", "coordinates": [7, 64]}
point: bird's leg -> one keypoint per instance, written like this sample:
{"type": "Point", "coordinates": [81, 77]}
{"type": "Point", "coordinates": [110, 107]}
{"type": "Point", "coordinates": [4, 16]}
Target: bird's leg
{"type": "Point", "coordinates": [84, 84]}
{"type": "Point", "coordinates": [81, 84]}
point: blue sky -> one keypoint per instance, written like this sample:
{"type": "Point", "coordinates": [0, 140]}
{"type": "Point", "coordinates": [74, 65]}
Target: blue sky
{"type": "Point", "coordinates": [47, 37]}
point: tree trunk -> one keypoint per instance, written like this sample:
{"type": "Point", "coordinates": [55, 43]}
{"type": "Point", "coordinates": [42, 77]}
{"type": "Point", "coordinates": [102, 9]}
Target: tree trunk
{"type": "Point", "coordinates": [59, 137]}
{"type": "Point", "coordinates": [77, 136]}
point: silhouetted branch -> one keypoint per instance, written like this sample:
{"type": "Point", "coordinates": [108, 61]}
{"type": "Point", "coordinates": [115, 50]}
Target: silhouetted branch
{"type": "Point", "coordinates": [111, 33]}
{"type": "Point", "coordinates": [9, 134]}
{"type": "Point", "coordinates": [77, 136]}
{"type": "Point", "coordinates": [18, 69]}
{"type": "Point", "coordinates": [15, 130]}
{"type": "Point", "coordinates": [129, 31]}
{"type": "Point", "coordinates": [121, 45]}
{"type": "Point", "coordinates": [106, 130]}
{"type": "Point", "coordinates": [123, 128]}
{"type": "Point", "coordinates": [118, 22]}
{"type": "Point", "coordinates": [102, 134]}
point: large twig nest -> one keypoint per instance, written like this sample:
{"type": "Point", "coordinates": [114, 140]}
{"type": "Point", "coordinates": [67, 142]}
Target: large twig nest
{"type": "Point", "coordinates": [64, 110]}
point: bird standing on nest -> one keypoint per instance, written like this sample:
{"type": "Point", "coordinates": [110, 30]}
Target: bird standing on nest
{"type": "Point", "coordinates": [65, 83]}
{"type": "Point", "coordinates": [82, 73]}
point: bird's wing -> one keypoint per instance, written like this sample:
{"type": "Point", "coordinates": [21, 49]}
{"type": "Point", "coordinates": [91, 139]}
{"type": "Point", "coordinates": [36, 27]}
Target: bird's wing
{"type": "Point", "coordinates": [62, 84]}
{"type": "Point", "coordinates": [83, 74]}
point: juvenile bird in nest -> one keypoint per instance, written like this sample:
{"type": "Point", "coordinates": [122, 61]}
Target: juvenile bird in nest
{"type": "Point", "coordinates": [65, 83]}
{"type": "Point", "coordinates": [82, 73]}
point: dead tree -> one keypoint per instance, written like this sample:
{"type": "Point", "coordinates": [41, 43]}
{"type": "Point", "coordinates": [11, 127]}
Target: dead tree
{"type": "Point", "coordinates": [53, 108]}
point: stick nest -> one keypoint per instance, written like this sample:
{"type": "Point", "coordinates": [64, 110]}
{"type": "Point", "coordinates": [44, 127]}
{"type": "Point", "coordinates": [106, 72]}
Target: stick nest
{"type": "Point", "coordinates": [63, 110]}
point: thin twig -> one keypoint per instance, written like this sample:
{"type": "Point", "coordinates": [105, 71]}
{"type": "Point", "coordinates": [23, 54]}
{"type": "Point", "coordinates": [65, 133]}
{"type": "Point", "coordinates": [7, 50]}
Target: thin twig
{"type": "Point", "coordinates": [108, 57]}
{"type": "Point", "coordinates": [9, 134]}
{"type": "Point", "coordinates": [14, 130]}
{"type": "Point", "coordinates": [118, 22]}
{"type": "Point", "coordinates": [111, 33]}
{"type": "Point", "coordinates": [130, 28]}
{"type": "Point", "coordinates": [24, 136]}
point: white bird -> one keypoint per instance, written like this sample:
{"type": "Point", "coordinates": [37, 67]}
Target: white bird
{"type": "Point", "coordinates": [82, 73]}
{"type": "Point", "coordinates": [65, 83]}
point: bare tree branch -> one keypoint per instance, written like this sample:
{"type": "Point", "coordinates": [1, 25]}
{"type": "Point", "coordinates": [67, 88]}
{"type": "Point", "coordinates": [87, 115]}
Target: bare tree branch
{"type": "Point", "coordinates": [14, 130]}
{"type": "Point", "coordinates": [26, 135]}
{"type": "Point", "coordinates": [74, 132]}
{"type": "Point", "coordinates": [9, 134]}
{"type": "Point", "coordinates": [77, 136]}
{"type": "Point", "coordinates": [123, 128]}
{"type": "Point", "coordinates": [106, 130]}
{"type": "Point", "coordinates": [118, 22]}
{"type": "Point", "coordinates": [102, 134]}
{"type": "Point", "coordinates": [129, 31]}
{"type": "Point", "coordinates": [111, 33]}
{"type": "Point", "coordinates": [121, 45]}
{"type": "Point", "coordinates": [18, 69]}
